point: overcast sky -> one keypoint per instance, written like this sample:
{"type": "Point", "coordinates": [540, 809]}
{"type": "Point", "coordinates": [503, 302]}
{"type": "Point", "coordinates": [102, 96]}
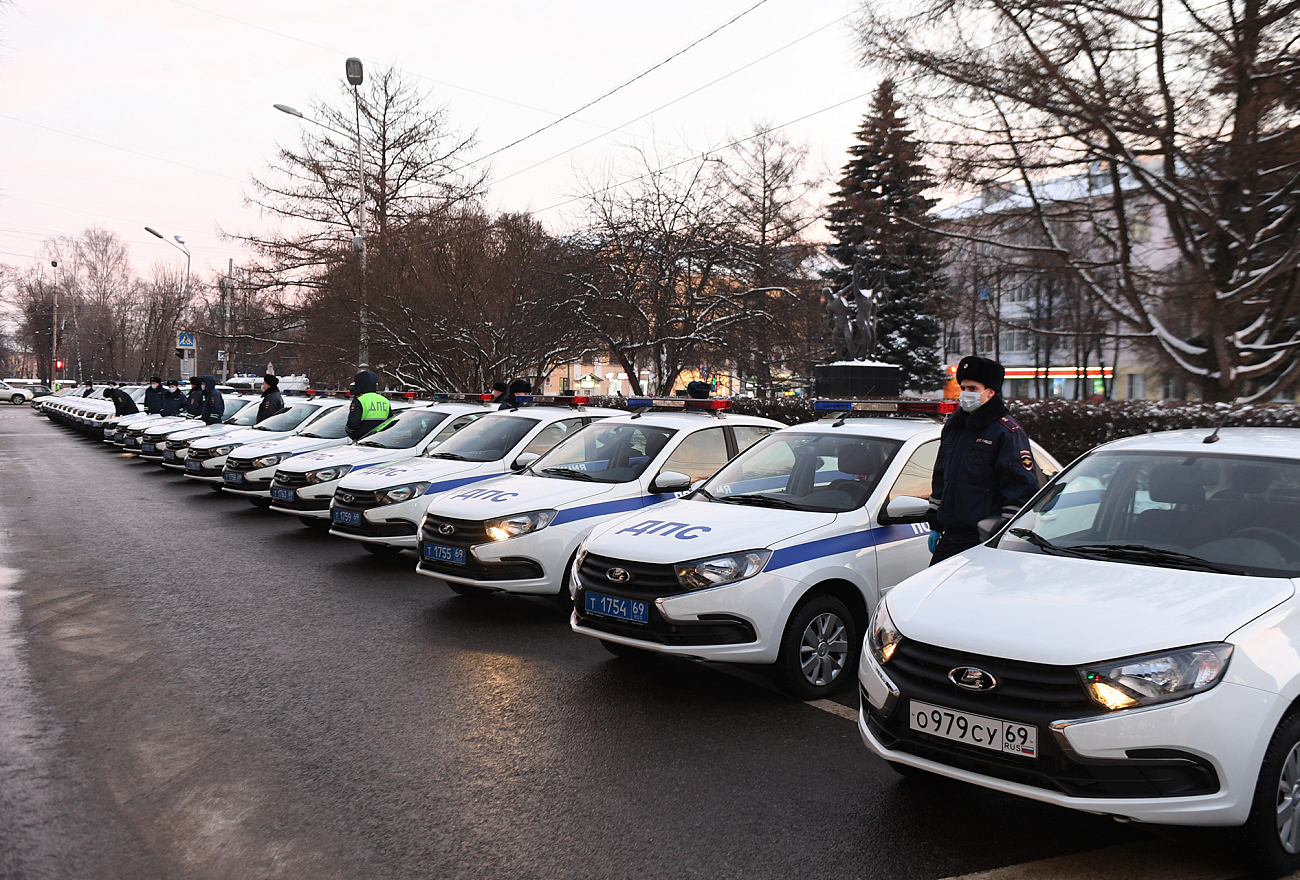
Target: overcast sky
{"type": "Point", "coordinates": [127, 113]}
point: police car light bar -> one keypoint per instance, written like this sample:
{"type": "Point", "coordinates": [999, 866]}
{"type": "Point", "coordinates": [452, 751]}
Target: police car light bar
{"type": "Point", "coordinates": [711, 404]}
{"type": "Point", "coordinates": [927, 407]}
{"type": "Point", "coordinates": [464, 398]}
{"type": "Point", "coordinates": [565, 400]}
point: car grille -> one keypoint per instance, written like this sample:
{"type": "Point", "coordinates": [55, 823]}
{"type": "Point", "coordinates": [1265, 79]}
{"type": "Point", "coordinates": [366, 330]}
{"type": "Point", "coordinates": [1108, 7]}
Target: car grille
{"type": "Point", "coordinates": [509, 569]}
{"type": "Point", "coordinates": [466, 532]}
{"type": "Point", "coordinates": [646, 578]}
{"type": "Point", "coordinates": [239, 465]}
{"type": "Point", "coordinates": [355, 499]}
{"type": "Point", "coordinates": [200, 454]}
{"type": "Point", "coordinates": [286, 480]}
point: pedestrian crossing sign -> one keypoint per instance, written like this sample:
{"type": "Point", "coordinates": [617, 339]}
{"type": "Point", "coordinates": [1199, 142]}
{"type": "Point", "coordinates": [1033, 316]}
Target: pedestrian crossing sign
{"type": "Point", "coordinates": [184, 340]}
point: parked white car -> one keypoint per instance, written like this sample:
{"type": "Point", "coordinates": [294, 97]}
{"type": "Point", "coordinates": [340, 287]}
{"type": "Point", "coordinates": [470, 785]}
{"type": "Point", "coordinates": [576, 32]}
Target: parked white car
{"type": "Point", "coordinates": [304, 485]}
{"type": "Point", "coordinates": [165, 435]}
{"type": "Point", "coordinates": [779, 558]}
{"type": "Point", "coordinates": [1124, 646]}
{"type": "Point", "coordinates": [520, 532]}
{"type": "Point", "coordinates": [205, 458]}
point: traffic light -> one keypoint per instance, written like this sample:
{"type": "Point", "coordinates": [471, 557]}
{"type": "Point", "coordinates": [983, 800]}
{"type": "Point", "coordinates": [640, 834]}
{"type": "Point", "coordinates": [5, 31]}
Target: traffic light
{"type": "Point", "coordinates": [58, 365]}
{"type": "Point", "coordinates": [180, 353]}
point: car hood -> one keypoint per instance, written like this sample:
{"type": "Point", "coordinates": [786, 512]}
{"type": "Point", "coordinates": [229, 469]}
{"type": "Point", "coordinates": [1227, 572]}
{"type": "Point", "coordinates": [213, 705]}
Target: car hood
{"type": "Point", "coordinates": [163, 425]}
{"type": "Point", "coordinates": [1063, 611]}
{"type": "Point", "coordinates": [198, 431]}
{"type": "Point", "coordinates": [442, 473]}
{"type": "Point", "coordinates": [685, 529]}
{"type": "Point", "coordinates": [290, 445]}
{"type": "Point", "coordinates": [357, 456]}
{"type": "Point", "coordinates": [516, 493]}
{"type": "Point", "coordinates": [245, 435]}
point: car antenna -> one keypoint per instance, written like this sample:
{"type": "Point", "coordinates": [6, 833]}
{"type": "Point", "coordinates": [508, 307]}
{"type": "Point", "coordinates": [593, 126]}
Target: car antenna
{"type": "Point", "coordinates": [1214, 438]}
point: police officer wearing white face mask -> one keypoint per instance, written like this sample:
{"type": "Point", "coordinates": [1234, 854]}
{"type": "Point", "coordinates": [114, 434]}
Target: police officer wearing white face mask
{"type": "Point", "coordinates": [985, 468]}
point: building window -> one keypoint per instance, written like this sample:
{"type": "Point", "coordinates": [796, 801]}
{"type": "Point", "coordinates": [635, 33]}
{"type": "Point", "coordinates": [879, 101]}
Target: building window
{"type": "Point", "coordinates": [954, 343]}
{"type": "Point", "coordinates": [1136, 386]}
{"type": "Point", "coordinates": [1173, 388]}
{"type": "Point", "coordinates": [986, 342]}
{"type": "Point", "coordinates": [1139, 228]}
{"type": "Point", "coordinates": [1019, 387]}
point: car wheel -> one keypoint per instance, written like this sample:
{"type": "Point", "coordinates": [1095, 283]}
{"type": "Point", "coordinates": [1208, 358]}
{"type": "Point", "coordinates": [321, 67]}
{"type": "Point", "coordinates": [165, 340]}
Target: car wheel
{"type": "Point", "coordinates": [1272, 833]}
{"type": "Point", "coordinates": [564, 598]}
{"type": "Point", "coordinates": [819, 650]}
{"type": "Point", "coordinates": [382, 550]}
{"type": "Point", "coordinates": [467, 591]}
{"type": "Point", "coordinates": [627, 652]}
{"type": "Point", "coordinates": [214, 487]}
{"type": "Point", "coordinates": [16, 400]}
{"type": "Point", "coordinates": [316, 524]}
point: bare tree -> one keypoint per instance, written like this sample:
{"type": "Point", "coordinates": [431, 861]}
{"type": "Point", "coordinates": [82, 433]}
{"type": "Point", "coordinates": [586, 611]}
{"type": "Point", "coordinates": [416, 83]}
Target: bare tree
{"type": "Point", "coordinates": [1109, 115]}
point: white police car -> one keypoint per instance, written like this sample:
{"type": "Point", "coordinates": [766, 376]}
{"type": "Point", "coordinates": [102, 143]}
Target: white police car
{"type": "Point", "coordinates": [130, 432]}
{"type": "Point", "coordinates": [519, 533]}
{"type": "Point", "coordinates": [165, 436]}
{"type": "Point", "coordinates": [175, 446]}
{"type": "Point", "coordinates": [304, 485]}
{"type": "Point", "coordinates": [382, 507]}
{"type": "Point", "coordinates": [780, 557]}
{"type": "Point", "coordinates": [1127, 645]}
{"type": "Point", "coordinates": [205, 458]}
{"type": "Point", "coordinates": [250, 468]}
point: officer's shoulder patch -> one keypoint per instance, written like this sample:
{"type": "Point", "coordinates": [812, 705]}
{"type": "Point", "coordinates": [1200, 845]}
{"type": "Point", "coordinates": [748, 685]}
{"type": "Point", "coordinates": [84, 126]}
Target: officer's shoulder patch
{"type": "Point", "coordinates": [1026, 460]}
{"type": "Point", "coordinates": [1011, 424]}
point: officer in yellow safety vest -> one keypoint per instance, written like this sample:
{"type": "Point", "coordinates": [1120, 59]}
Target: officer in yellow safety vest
{"type": "Point", "coordinates": [369, 409]}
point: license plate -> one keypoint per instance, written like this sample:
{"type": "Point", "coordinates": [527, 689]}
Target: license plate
{"type": "Point", "coordinates": [130, 441]}
{"type": "Point", "coordinates": [233, 478]}
{"type": "Point", "coordinates": [284, 494]}
{"type": "Point", "coordinates": [148, 447]}
{"type": "Point", "coordinates": [993, 734]}
{"type": "Point", "coordinates": [612, 606]}
{"type": "Point", "coordinates": [169, 455]}
{"type": "Point", "coordinates": [440, 553]}
{"type": "Point", "coordinates": [347, 517]}
{"type": "Point", "coordinates": [193, 465]}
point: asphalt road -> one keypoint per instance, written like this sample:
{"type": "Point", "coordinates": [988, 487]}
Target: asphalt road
{"type": "Point", "coordinates": [191, 687]}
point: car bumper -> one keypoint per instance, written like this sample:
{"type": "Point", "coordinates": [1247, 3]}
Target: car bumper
{"type": "Point", "coordinates": [251, 484]}
{"type": "Point", "coordinates": [1221, 734]}
{"type": "Point", "coordinates": [532, 564]}
{"type": "Point", "coordinates": [312, 500]}
{"type": "Point", "coordinates": [210, 472]}
{"type": "Point", "coordinates": [392, 525]}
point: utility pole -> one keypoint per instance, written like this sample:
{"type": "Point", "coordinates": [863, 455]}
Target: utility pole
{"type": "Point", "coordinates": [225, 332]}
{"type": "Point", "coordinates": [54, 329]}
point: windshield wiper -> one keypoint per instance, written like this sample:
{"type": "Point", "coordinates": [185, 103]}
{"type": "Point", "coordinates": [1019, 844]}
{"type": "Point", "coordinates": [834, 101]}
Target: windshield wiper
{"type": "Point", "coordinates": [1032, 537]}
{"type": "Point", "coordinates": [569, 474]}
{"type": "Point", "coordinates": [1141, 552]}
{"type": "Point", "coordinates": [760, 501]}
{"type": "Point", "coordinates": [449, 455]}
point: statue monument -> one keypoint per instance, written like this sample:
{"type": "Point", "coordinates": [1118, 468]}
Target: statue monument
{"type": "Point", "coordinates": [853, 311]}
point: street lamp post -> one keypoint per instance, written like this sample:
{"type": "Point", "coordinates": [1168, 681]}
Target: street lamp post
{"type": "Point", "coordinates": [355, 76]}
{"type": "Point", "coordinates": [54, 329]}
{"type": "Point", "coordinates": [185, 311]}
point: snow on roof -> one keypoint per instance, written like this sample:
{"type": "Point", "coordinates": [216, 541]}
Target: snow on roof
{"type": "Point", "coordinates": [861, 364]}
{"type": "Point", "coordinates": [1076, 188]}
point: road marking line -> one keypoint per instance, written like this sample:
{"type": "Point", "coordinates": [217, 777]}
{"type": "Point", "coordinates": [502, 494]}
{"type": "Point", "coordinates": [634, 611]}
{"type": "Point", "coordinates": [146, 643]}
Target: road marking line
{"type": "Point", "coordinates": [1149, 860]}
{"type": "Point", "coordinates": [836, 709]}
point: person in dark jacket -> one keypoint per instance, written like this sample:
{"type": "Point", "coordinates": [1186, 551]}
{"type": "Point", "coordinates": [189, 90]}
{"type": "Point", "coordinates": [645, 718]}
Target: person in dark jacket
{"type": "Point", "coordinates": [173, 400]}
{"type": "Point", "coordinates": [518, 386]}
{"type": "Point", "coordinates": [985, 470]}
{"type": "Point", "coordinates": [153, 396]}
{"type": "Point", "coordinates": [213, 408]}
{"type": "Point", "coordinates": [500, 389]}
{"type": "Point", "coordinates": [369, 408]}
{"type": "Point", "coordinates": [272, 400]}
{"type": "Point", "coordinates": [194, 397]}
{"type": "Point", "coordinates": [123, 405]}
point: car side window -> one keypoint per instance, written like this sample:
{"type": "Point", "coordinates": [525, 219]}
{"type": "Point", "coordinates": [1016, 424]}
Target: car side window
{"type": "Point", "coordinates": [700, 455]}
{"type": "Point", "coordinates": [456, 424]}
{"type": "Point", "coordinates": [917, 475]}
{"type": "Point", "coordinates": [552, 434]}
{"type": "Point", "coordinates": [747, 435]}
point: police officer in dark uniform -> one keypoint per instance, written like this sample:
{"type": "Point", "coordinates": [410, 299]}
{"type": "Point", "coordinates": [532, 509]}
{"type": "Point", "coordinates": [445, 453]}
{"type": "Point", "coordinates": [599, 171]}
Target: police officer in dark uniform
{"type": "Point", "coordinates": [985, 470]}
{"type": "Point", "coordinates": [153, 396]}
{"type": "Point", "coordinates": [272, 399]}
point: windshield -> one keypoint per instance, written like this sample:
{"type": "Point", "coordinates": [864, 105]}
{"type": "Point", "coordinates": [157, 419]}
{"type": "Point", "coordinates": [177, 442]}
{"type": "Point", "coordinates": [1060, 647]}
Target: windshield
{"type": "Point", "coordinates": [245, 415]}
{"type": "Point", "coordinates": [405, 430]}
{"type": "Point", "coordinates": [488, 439]}
{"type": "Point", "coordinates": [290, 418]}
{"type": "Point", "coordinates": [1238, 514]}
{"type": "Point", "coordinates": [232, 406]}
{"type": "Point", "coordinates": [137, 394]}
{"type": "Point", "coordinates": [605, 453]}
{"type": "Point", "coordinates": [822, 472]}
{"type": "Point", "coordinates": [331, 426]}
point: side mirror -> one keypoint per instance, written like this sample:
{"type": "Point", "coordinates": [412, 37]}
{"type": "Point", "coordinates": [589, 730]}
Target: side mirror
{"type": "Point", "coordinates": [905, 509]}
{"type": "Point", "coordinates": [989, 527]}
{"type": "Point", "coordinates": [670, 481]}
{"type": "Point", "coordinates": [524, 460]}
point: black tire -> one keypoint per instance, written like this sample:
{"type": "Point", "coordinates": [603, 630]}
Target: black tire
{"type": "Point", "coordinates": [564, 598]}
{"type": "Point", "coordinates": [829, 660]}
{"type": "Point", "coordinates": [1279, 784]}
{"type": "Point", "coordinates": [215, 487]}
{"type": "Point", "coordinates": [382, 550]}
{"type": "Point", "coordinates": [627, 652]}
{"type": "Point", "coordinates": [17, 400]}
{"type": "Point", "coordinates": [316, 524]}
{"type": "Point", "coordinates": [467, 591]}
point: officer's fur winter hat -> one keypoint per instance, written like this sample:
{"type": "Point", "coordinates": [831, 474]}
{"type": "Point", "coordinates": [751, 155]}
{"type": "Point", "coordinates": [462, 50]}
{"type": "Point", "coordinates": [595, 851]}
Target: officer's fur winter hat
{"type": "Point", "coordinates": [988, 373]}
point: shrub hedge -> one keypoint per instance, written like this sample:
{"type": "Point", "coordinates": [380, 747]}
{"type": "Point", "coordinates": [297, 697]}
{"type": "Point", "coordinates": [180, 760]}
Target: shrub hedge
{"type": "Point", "coordinates": [1067, 428]}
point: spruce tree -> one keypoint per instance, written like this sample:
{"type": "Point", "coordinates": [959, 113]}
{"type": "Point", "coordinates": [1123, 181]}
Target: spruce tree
{"type": "Point", "coordinates": [880, 211]}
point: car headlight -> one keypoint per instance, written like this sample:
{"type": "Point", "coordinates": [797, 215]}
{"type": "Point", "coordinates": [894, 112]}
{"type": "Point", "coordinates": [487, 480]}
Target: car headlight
{"type": "Point", "coordinates": [519, 524]}
{"type": "Point", "coordinates": [221, 450]}
{"type": "Point", "coordinates": [882, 638]}
{"type": "Point", "coordinates": [326, 475]}
{"type": "Point", "coordinates": [404, 492]}
{"type": "Point", "coordinates": [1156, 678]}
{"type": "Point", "coordinates": [721, 569]}
{"type": "Point", "coordinates": [267, 461]}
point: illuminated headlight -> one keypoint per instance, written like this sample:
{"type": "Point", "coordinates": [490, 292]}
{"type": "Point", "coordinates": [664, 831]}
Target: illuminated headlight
{"type": "Point", "coordinates": [721, 569]}
{"type": "Point", "coordinates": [882, 638]}
{"type": "Point", "coordinates": [404, 492]}
{"type": "Point", "coordinates": [267, 461]}
{"type": "Point", "coordinates": [221, 450]}
{"type": "Point", "coordinates": [519, 524]}
{"type": "Point", "coordinates": [329, 474]}
{"type": "Point", "coordinates": [1156, 678]}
